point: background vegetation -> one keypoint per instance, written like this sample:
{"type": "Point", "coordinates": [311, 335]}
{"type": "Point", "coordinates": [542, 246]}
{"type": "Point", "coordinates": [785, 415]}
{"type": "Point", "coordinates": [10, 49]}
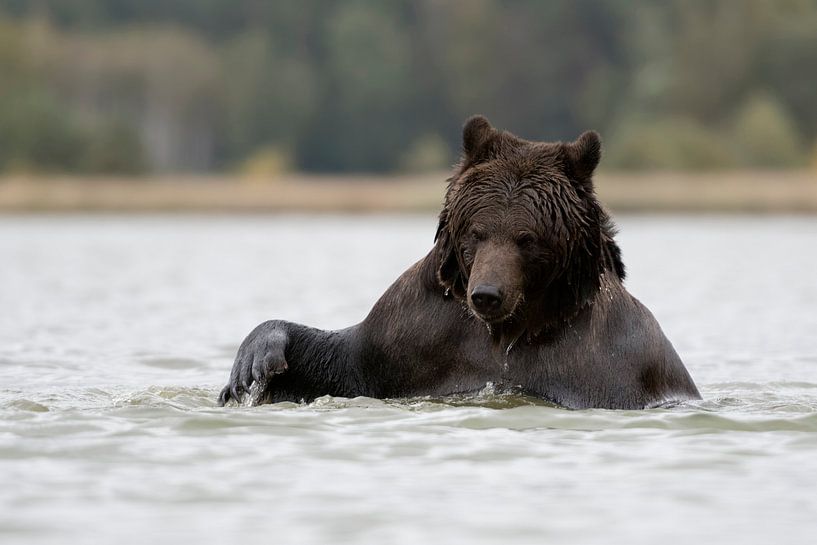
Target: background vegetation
{"type": "Point", "coordinates": [153, 86]}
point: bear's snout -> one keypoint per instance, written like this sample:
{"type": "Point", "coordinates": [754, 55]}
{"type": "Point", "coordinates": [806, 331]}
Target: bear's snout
{"type": "Point", "coordinates": [486, 299]}
{"type": "Point", "coordinates": [495, 281]}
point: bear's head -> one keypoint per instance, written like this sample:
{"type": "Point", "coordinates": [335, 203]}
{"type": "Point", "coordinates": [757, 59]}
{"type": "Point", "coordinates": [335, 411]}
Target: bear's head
{"type": "Point", "coordinates": [522, 238]}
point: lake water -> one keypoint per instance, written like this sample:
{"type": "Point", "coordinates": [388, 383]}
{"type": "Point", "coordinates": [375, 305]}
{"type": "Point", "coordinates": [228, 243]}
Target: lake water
{"type": "Point", "coordinates": [116, 334]}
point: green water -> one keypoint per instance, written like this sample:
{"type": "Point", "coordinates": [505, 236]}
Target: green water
{"type": "Point", "coordinates": [116, 334]}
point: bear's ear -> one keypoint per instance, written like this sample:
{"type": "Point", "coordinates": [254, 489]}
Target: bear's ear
{"type": "Point", "coordinates": [583, 155]}
{"type": "Point", "coordinates": [475, 133]}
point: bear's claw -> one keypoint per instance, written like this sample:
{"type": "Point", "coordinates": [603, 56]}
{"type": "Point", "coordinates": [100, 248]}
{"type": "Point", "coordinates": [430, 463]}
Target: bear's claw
{"type": "Point", "coordinates": [224, 396]}
{"type": "Point", "coordinates": [260, 357]}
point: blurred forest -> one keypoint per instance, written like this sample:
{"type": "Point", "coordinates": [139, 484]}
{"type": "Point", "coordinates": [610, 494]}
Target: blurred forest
{"type": "Point", "coordinates": [158, 86]}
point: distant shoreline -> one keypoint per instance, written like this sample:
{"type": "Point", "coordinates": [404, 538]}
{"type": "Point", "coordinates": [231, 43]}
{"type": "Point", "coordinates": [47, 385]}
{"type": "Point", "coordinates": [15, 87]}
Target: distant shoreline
{"type": "Point", "coordinates": [731, 191]}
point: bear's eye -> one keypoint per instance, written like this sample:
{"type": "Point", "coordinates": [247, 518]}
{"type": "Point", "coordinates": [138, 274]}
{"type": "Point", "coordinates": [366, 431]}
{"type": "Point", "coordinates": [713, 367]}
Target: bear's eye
{"type": "Point", "coordinates": [477, 235]}
{"type": "Point", "coordinates": [526, 239]}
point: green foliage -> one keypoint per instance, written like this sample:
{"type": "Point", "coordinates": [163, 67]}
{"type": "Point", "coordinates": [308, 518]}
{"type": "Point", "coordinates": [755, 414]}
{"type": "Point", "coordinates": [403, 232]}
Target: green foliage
{"type": "Point", "coordinates": [787, 65]}
{"type": "Point", "coordinates": [368, 85]}
{"type": "Point", "coordinates": [428, 153]}
{"type": "Point", "coordinates": [113, 148]}
{"type": "Point", "coordinates": [268, 95]}
{"type": "Point", "coordinates": [668, 143]}
{"type": "Point", "coordinates": [266, 164]}
{"type": "Point", "coordinates": [366, 94]}
{"type": "Point", "coordinates": [766, 134]}
{"type": "Point", "coordinates": [38, 135]}
{"type": "Point", "coordinates": [35, 135]}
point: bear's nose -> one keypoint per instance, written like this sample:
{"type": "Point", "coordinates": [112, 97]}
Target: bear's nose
{"type": "Point", "coordinates": [486, 299]}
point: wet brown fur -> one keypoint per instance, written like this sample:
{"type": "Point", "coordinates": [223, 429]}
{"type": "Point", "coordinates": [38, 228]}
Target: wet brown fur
{"type": "Point", "coordinates": [523, 218]}
{"type": "Point", "coordinates": [536, 202]}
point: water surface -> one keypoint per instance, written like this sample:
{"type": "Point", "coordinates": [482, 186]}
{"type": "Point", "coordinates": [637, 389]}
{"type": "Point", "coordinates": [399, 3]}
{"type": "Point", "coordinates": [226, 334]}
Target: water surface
{"type": "Point", "coordinates": [116, 334]}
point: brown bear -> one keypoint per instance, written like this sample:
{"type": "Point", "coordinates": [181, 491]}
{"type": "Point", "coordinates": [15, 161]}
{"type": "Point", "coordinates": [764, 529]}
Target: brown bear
{"type": "Point", "coordinates": [523, 289]}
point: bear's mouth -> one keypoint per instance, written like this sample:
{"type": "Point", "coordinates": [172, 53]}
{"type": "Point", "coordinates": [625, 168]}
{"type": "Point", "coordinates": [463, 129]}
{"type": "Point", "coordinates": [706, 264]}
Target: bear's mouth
{"type": "Point", "coordinates": [492, 319]}
{"type": "Point", "coordinates": [501, 316]}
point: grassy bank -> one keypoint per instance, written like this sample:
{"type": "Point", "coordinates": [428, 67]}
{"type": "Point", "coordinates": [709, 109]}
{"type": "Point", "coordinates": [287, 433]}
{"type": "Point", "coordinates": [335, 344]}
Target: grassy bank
{"type": "Point", "coordinates": [755, 191]}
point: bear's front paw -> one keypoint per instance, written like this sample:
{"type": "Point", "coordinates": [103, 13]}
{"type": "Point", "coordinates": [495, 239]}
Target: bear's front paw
{"type": "Point", "coordinates": [259, 357]}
